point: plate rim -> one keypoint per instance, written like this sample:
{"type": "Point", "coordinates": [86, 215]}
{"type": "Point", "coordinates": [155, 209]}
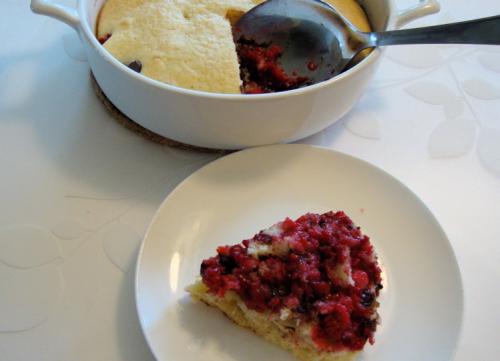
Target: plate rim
{"type": "Point", "coordinates": [325, 149]}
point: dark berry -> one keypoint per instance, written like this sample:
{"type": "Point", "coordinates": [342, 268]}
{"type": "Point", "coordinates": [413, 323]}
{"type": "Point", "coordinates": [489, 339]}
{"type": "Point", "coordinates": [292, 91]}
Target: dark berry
{"type": "Point", "coordinates": [367, 298]}
{"type": "Point", "coordinates": [300, 309]}
{"type": "Point", "coordinates": [227, 262]}
{"type": "Point", "coordinates": [136, 66]}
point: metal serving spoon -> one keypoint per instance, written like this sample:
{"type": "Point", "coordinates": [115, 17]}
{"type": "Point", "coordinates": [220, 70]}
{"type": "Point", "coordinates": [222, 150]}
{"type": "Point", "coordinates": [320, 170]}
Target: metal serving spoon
{"type": "Point", "coordinates": [318, 43]}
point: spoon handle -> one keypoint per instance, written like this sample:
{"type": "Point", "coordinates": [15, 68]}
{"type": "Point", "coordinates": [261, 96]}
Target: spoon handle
{"type": "Point", "coordinates": [479, 31]}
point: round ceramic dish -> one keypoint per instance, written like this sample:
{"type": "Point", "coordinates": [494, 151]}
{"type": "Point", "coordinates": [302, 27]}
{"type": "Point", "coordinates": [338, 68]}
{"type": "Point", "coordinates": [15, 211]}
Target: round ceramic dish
{"type": "Point", "coordinates": [228, 121]}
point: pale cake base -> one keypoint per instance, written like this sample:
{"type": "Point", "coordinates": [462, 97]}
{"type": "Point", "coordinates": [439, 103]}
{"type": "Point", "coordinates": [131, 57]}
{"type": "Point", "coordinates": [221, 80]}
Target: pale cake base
{"type": "Point", "coordinates": [187, 43]}
{"type": "Point", "coordinates": [261, 325]}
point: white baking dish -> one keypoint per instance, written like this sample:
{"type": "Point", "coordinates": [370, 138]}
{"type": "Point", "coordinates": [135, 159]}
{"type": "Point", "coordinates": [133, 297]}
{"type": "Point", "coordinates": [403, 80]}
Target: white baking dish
{"type": "Point", "coordinates": [228, 121]}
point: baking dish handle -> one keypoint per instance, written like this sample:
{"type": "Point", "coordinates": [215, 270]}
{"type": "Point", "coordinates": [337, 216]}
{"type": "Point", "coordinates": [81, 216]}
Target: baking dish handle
{"type": "Point", "coordinates": [423, 8]}
{"type": "Point", "coordinates": [63, 13]}
{"type": "Point", "coordinates": [70, 16]}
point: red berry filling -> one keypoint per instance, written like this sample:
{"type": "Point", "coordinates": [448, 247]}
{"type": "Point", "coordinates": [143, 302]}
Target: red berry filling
{"type": "Point", "coordinates": [104, 38]}
{"type": "Point", "coordinates": [261, 71]}
{"type": "Point", "coordinates": [320, 266]}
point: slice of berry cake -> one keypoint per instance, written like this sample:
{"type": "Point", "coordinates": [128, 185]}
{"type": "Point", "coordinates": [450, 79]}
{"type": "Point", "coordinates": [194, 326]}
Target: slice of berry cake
{"type": "Point", "coordinates": [309, 286]}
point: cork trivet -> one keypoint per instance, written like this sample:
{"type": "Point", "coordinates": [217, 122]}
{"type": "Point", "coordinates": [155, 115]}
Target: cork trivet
{"type": "Point", "coordinates": [143, 132]}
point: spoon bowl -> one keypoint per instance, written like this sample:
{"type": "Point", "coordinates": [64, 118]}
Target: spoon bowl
{"type": "Point", "coordinates": [310, 33]}
{"type": "Point", "coordinates": [317, 43]}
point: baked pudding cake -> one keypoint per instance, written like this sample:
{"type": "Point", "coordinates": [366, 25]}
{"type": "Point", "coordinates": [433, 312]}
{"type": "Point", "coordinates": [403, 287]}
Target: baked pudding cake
{"type": "Point", "coordinates": [309, 286]}
{"type": "Point", "coordinates": [187, 43]}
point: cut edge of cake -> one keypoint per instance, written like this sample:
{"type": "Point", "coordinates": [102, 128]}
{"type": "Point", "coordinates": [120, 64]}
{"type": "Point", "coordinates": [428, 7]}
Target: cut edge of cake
{"type": "Point", "coordinates": [234, 308]}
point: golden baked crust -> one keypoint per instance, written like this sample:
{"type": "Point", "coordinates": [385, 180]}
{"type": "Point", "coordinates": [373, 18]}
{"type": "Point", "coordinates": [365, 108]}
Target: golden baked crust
{"type": "Point", "coordinates": [235, 310]}
{"type": "Point", "coordinates": [187, 43]}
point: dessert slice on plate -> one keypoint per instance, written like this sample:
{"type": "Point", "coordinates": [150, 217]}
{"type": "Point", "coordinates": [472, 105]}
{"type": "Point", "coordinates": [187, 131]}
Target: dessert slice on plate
{"type": "Point", "coordinates": [308, 286]}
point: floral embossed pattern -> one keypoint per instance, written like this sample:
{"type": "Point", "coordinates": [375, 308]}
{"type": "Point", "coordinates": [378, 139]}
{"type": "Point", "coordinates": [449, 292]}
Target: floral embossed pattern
{"type": "Point", "coordinates": [463, 103]}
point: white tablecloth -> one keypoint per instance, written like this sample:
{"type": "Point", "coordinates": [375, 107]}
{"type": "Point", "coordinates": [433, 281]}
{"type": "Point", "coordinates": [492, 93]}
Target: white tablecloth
{"type": "Point", "coordinates": [77, 190]}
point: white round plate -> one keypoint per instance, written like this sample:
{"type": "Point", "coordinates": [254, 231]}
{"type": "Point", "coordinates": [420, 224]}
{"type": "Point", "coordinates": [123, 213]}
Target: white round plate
{"type": "Point", "coordinates": [236, 196]}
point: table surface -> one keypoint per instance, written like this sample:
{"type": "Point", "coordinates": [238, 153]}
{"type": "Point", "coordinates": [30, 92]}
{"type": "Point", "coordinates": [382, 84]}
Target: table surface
{"type": "Point", "coordinates": [77, 190]}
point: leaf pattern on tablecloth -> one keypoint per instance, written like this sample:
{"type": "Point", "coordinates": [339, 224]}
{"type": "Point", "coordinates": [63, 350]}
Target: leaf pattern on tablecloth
{"type": "Point", "coordinates": [481, 89]}
{"type": "Point", "coordinates": [488, 149]}
{"type": "Point", "coordinates": [491, 49]}
{"type": "Point", "coordinates": [74, 47]}
{"type": "Point", "coordinates": [435, 93]}
{"type": "Point", "coordinates": [363, 121]}
{"type": "Point", "coordinates": [93, 214]}
{"type": "Point", "coordinates": [415, 56]}
{"type": "Point", "coordinates": [452, 138]}
{"type": "Point", "coordinates": [454, 108]}
{"type": "Point", "coordinates": [363, 124]}
{"type": "Point", "coordinates": [489, 60]}
{"type": "Point", "coordinates": [121, 244]}
{"type": "Point", "coordinates": [432, 92]}
{"type": "Point", "coordinates": [71, 235]}
{"type": "Point", "coordinates": [68, 229]}
{"type": "Point", "coordinates": [28, 296]}
{"type": "Point", "coordinates": [27, 246]}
